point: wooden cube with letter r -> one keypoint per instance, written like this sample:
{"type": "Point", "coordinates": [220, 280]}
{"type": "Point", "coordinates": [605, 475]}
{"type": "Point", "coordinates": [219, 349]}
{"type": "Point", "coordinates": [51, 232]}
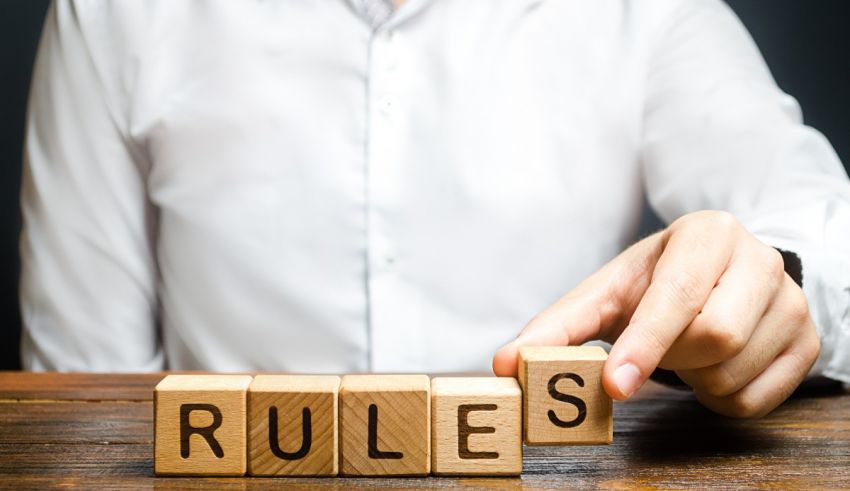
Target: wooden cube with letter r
{"type": "Point", "coordinates": [476, 426]}
{"type": "Point", "coordinates": [199, 425]}
{"type": "Point", "coordinates": [564, 402]}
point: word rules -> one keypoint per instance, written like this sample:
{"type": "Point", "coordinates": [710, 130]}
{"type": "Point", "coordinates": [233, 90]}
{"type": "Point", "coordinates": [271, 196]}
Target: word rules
{"type": "Point", "coordinates": [379, 425]}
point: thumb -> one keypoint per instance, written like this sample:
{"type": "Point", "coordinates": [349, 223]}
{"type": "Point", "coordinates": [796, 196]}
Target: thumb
{"type": "Point", "coordinates": [573, 319]}
{"type": "Point", "coordinates": [598, 308]}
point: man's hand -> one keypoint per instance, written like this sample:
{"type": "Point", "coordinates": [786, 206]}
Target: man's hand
{"type": "Point", "coordinates": [704, 298]}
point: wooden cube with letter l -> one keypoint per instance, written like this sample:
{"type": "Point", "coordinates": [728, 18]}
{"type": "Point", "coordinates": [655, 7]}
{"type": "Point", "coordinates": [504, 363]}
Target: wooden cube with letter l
{"type": "Point", "coordinates": [476, 426]}
{"type": "Point", "coordinates": [385, 425]}
{"type": "Point", "coordinates": [564, 402]}
{"type": "Point", "coordinates": [199, 425]}
{"type": "Point", "coordinates": [292, 425]}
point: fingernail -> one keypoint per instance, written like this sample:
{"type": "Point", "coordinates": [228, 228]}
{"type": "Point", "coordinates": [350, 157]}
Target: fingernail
{"type": "Point", "coordinates": [627, 378]}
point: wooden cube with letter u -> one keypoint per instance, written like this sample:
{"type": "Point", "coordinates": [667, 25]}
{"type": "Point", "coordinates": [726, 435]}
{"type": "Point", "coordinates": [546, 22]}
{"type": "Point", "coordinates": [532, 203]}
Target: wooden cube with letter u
{"type": "Point", "coordinates": [476, 426]}
{"type": "Point", "coordinates": [199, 425]}
{"type": "Point", "coordinates": [564, 402]}
{"type": "Point", "coordinates": [385, 425]}
{"type": "Point", "coordinates": [292, 425]}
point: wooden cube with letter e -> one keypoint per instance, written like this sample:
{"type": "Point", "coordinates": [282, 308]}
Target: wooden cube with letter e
{"type": "Point", "coordinates": [199, 425]}
{"type": "Point", "coordinates": [385, 425]}
{"type": "Point", "coordinates": [292, 425]}
{"type": "Point", "coordinates": [476, 426]}
{"type": "Point", "coordinates": [563, 398]}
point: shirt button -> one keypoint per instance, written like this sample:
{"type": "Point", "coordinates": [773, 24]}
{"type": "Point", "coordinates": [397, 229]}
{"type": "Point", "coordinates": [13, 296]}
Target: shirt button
{"type": "Point", "coordinates": [388, 104]}
{"type": "Point", "coordinates": [385, 256]}
{"type": "Point", "coordinates": [385, 263]}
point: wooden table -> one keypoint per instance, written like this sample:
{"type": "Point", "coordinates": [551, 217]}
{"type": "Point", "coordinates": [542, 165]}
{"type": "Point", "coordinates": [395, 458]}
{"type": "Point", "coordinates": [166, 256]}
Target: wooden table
{"type": "Point", "coordinates": [96, 431]}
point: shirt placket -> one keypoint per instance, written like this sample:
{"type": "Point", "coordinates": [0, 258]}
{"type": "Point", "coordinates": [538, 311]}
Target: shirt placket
{"type": "Point", "coordinates": [393, 321]}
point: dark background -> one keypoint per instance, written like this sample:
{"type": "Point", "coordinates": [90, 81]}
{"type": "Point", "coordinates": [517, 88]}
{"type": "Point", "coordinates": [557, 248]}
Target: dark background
{"type": "Point", "coordinates": [805, 44]}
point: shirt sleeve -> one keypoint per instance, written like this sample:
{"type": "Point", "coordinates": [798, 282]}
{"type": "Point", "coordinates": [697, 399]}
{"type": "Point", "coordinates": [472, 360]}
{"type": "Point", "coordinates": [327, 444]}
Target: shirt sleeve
{"type": "Point", "coordinates": [719, 134]}
{"type": "Point", "coordinates": [88, 280]}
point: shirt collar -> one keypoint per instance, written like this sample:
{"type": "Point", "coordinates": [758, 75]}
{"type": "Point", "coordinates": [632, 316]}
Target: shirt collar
{"type": "Point", "coordinates": [399, 15]}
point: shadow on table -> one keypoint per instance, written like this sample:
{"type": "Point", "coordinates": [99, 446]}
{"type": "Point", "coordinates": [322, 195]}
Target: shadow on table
{"type": "Point", "coordinates": [681, 429]}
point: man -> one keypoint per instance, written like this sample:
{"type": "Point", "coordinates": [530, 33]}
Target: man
{"type": "Point", "coordinates": [338, 186]}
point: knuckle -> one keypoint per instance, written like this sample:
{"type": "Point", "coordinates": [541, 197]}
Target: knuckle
{"type": "Point", "coordinates": [722, 336]}
{"type": "Point", "coordinates": [802, 358]}
{"type": "Point", "coordinates": [543, 318]}
{"type": "Point", "coordinates": [744, 406]}
{"type": "Point", "coordinates": [537, 318]}
{"type": "Point", "coordinates": [815, 347]}
{"type": "Point", "coordinates": [692, 223]}
{"type": "Point", "coordinates": [722, 220]}
{"type": "Point", "coordinates": [798, 306]}
{"type": "Point", "coordinates": [718, 381]}
{"type": "Point", "coordinates": [714, 220]}
{"type": "Point", "coordinates": [810, 350]}
{"type": "Point", "coordinates": [682, 221]}
{"type": "Point", "coordinates": [774, 263]}
{"type": "Point", "coordinates": [685, 289]}
{"type": "Point", "coordinates": [653, 342]}
{"type": "Point", "coordinates": [610, 301]}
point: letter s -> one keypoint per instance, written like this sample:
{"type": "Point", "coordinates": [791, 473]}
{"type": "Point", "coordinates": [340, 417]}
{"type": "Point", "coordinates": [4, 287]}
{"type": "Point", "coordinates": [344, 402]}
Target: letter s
{"type": "Point", "coordinates": [560, 396]}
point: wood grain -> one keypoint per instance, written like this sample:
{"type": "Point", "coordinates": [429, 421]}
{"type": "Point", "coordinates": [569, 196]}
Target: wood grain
{"type": "Point", "coordinates": [385, 425]}
{"type": "Point", "coordinates": [663, 439]}
{"type": "Point", "coordinates": [563, 399]}
{"type": "Point", "coordinates": [277, 424]}
{"type": "Point", "coordinates": [78, 386]}
{"type": "Point", "coordinates": [476, 426]}
{"type": "Point", "coordinates": [75, 422]}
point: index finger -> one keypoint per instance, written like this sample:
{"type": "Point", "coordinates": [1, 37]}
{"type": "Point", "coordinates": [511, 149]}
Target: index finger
{"type": "Point", "coordinates": [683, 278]}
{"type": "Point", "coordinates": [592, 309]}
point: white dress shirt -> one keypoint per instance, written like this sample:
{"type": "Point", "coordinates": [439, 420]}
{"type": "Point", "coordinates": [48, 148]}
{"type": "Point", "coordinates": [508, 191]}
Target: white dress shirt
{"type": "Point", "coordinates": [280, 185]}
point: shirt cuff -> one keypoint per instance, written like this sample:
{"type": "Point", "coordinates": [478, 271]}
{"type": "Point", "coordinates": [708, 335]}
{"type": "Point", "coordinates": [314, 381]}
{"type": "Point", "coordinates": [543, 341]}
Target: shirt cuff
{"type": "Point", "coordinates": [827, 288]}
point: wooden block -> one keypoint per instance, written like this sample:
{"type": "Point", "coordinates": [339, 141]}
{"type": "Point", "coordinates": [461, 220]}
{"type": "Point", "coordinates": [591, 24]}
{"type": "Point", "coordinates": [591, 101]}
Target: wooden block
{"type": "Point", "coordinates": [292, 425]}
{"type": "Point", "coordinates": [563, 399]}
{"type": "Point", "coordinates": [476, 426]}
{"type": "Point", "coordinates": [199, 425]}
{"type": "Point", "coordinates": [385, 423]}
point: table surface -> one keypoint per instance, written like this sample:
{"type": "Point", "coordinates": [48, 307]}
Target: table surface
{"type": "Point", "coordinates": [96, 431]}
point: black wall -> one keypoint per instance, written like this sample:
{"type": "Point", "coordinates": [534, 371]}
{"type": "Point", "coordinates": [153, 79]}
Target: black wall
{"type": "Point", "coordinates": [806, 45]}
{"type": "Point", "coordinates": [804, 42]}
{"type": "Point", "coordinates": [20, 26]}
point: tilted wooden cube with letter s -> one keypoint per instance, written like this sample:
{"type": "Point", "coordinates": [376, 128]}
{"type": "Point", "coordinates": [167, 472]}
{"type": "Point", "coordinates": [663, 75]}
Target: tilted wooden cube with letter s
{"type": "Point", "coordinates": [563, 399]}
